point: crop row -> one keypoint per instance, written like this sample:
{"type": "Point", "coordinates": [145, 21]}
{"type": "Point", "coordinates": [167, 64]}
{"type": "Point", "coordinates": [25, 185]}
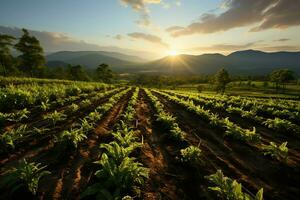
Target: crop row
{"type": "Point", "coordinates": [284, 109]}
{"type": "Point", "coordinates": [22, 131]}
{"type": "Point", "coordinates": [277, 124]}
{"type": "Point", "coordinates": [27, 174]}
{"type": "Point", "coordinates": [193, 156]}
{"type": "Point", "coordinates": [119, 175]}
{"type": "Point", "coordinates": [279, 152]}
{"type": "Point", "coordinates": [18, 116]}
{"type": "Point", "coordinates": [25, 96]}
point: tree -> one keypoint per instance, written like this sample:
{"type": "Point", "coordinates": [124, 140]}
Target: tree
{"type": "Point", "coordinates": [281, 76]}
{"type": "Point", "coordinates": [32, 58]}
{"type": "Point", "coordinates": [6, 59]}
{"type": "Point", "coordinates": [104, 73]}
{"type": "Point", "coordinates": [221, 79]}
{"type": "Point", "coordinates": [77, 72]}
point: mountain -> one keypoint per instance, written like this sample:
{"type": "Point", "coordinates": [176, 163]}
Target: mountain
{"type": "Point", "coordinates": [248, 62]}
{"type": "Point", "coordinates": [67, 55]}
{"type": "Point", "coordinates": [92, 59]}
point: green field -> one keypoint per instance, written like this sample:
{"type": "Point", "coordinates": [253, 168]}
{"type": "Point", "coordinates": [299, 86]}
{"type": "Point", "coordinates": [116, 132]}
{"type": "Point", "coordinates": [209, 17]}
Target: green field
{"type": "Point", "coordinates": [66, 139]}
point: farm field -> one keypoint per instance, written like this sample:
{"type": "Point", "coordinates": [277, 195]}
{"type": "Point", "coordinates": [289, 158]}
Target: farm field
{"type": "Point", "coordinates": [80, 140]}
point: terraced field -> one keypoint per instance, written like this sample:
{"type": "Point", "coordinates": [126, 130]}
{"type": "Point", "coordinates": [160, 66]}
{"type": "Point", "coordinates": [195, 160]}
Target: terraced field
{"type": "Point", "coordinates": [96, 141]}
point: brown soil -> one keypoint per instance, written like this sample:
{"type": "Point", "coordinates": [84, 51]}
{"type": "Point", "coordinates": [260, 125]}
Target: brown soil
{"type": "Point", "coordinates": [168, 178]}
{"type": "Point", "coordinates": [34, 144]}
{"type": "Point", "coordinates": [71, 178]}
{"type": "Point", "coordinates": [237, 160]}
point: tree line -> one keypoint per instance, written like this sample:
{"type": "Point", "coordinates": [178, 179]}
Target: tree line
{"type": "Point", "coordinates": [30, 61]}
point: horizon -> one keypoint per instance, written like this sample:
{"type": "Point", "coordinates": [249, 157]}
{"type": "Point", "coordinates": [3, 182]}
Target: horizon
{"type": "Point", "coordinates": [147, 29]}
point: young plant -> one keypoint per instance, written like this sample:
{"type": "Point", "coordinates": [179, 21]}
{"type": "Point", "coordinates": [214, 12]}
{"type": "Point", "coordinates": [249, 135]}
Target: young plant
{"type": "Point", "coordinates": [74, 135]}
{"type": "Point", "coordinates": [86, 125]}
{"type": "Point", "coordinates": [191, 154]}
{"type": "Point", "coordinates": [55, 117]}
{"type": "Point", "coordinates": [125, 137]}
{"type": "Point", "coordinates": [94, 116]}
{"type": "Point", "coordinates": [230, 189]}
{"type": "Point", "coordinates": [19, 116]}
{"type": "Point", "coordinates": [166, 119]}
{"type": "Point", "coordinates": [73, 107]}
{"type": "Point", "coordinates": [26, 174]}
{"type": "Point", "coordinates": [280, 125]}
{"type": "Point", "coordinates": [11, 136]}
{"type": "Point", "coordinates": [177, 133]}
{"type": "Point", "coordinates": [279, 152]}
{"type": "Point", "coordinates": [116, 178]}
{"type": "Point", "coordinates": [85, 103]}
{"type": "Point", "coordinates": [45, 106]}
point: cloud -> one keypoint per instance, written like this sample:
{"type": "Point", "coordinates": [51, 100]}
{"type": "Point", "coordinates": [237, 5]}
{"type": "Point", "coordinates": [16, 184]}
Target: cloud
{"type": "Point", "coordinates": [53, 41]}
{"type": "Point", "coordinates": [281, 48]}
{"type": "Point", "coordinates": [118, 37]}
{"type": "Point", "coordinates": [266, 13]}
{"type": "Point", "coordinates": [174, 28]}
{"type": "Point", "coordinates": [225, 47]}
{"type": "Point", "coordinates": [228, 48]}
{"type": "Point", "coordinates": [140, 6]}
{"type": "Point", "coordinates": [282, 40]}
{"type": "Point", "coordinates": [149, 38]}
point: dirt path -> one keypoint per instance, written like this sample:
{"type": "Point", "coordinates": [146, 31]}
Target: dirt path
{"type": "Point", "coordinates": [169, 179]}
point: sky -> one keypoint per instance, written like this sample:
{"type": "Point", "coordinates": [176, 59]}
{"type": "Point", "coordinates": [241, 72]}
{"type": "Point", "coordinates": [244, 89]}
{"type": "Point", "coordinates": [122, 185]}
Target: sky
{"type": "Point", "coordinates": [156, 28]}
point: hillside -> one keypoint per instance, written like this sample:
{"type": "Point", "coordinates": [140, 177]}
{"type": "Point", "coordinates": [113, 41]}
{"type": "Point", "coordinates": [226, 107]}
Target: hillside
{"type": "Point", "coordinates": [241, 62]}
{"type": "Point", "coordinates": [91, 59]}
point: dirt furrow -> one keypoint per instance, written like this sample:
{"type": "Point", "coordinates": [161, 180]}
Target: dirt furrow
{"type": "Point", "coordinates": [168, 178]}
{"type": "Point", "coordinates": [238, 160]}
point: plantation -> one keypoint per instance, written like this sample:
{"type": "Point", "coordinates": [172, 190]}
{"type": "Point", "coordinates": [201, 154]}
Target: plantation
{"type": "Point", "coordinates": [85, 140]}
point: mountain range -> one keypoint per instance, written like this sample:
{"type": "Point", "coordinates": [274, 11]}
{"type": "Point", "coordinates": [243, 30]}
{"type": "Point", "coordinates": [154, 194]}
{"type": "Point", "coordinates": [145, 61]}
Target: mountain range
{"type": "Point", "coordinates": [248, 62]}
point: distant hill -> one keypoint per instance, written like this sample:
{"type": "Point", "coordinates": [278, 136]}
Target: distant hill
{"type": "Point", "coordinates": [92, 59]}
{"type": "Point", "coordinates": [248, 62]}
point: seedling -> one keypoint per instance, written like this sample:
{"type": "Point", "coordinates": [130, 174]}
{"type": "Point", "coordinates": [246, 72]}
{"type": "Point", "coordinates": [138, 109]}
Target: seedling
{"type": "Point", "coordinates": [191, 154]}
{"type": "Point", "coordinates": [26, 174]}
{"type": "Point", "coordinates": [279, 152]}
{"type": "Point", "coordinates": [55, 117]}
{"type": "Point", "coordinates": [230, 189]}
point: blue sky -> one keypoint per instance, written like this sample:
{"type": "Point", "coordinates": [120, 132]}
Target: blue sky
{"type": "Point", "coordinates": [99, 21]}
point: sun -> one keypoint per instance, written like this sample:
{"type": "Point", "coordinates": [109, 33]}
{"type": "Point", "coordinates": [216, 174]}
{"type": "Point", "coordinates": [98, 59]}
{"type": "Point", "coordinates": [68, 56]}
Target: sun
{"type": "Point", "coordinates": [172, 52]}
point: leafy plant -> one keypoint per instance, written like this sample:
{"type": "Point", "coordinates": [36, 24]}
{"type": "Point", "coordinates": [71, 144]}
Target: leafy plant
{"type": "Point", "coordinates": [280, 124]}
{"type": "Point", "coordinates": [74, 135]}
{"type": "Point", "coordinates": [73, 107]}
{"type": "Point", "coordinates": [191, 154]}
{"type": "Point", "coordinates": [176, 132]}
{"type": "Point", "coordinates": [166, 119]}
{"type": "Point", "coordinates": [86, 125]}
{"type": "Point", "coordinates": [26, 174]}
{"type": "Point", "coordinates": [230, 189]}
{"type": "Point", "coordinates": [94, 116]}
{"type": "Point", "coordinates": [45, 106]}
{"type": "Point", "coordinates": [279, 152]}
{"type": "Point", "coordinates": [20, 115]}
{"type": "Point", "coordinates": [9, 137]}
{"type": "Point", "coordinates": [55, 117]}
{"type": "Point", "coordinates": [85, 103]}
{"type": "Point", "coordinates": [116, 177]}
